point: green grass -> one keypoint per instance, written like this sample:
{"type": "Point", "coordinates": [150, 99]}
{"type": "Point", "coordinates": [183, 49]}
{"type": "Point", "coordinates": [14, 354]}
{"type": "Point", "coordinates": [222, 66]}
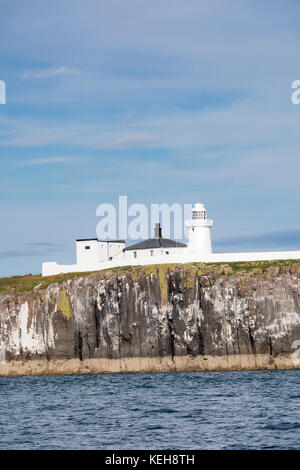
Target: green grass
{"type": "Point", "coordinates": [22, 283]}
{"type": "Point", "coordinates": [263, 265]}
{"type": "Point", "coordinates": [19, 285]}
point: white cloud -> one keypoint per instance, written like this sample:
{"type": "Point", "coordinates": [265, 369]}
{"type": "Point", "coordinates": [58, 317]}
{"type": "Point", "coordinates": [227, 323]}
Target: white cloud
{"type": "Point", "coordinates": [50, 161]}
{"type": "Point", "coordinates": [52, 71]}
{"type": "Point", "coordinates": [133, 140]}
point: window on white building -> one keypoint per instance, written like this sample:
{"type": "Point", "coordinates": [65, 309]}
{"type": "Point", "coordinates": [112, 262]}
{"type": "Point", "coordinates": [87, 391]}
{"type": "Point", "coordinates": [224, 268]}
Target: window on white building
{"type": "Point", "coordinates": [135, 254]}
{"type": "Point", "coordinates": [151, 253]}
{"type": "Point", "coordinates": [87, 247]}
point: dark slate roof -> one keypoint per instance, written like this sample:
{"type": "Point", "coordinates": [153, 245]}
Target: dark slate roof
{"type": "Point", "coordinates": [155, 243]}
{"type": "Point", "coordinates": [112, 241]}
{"type": "Point", "coordinates": [96, 239]}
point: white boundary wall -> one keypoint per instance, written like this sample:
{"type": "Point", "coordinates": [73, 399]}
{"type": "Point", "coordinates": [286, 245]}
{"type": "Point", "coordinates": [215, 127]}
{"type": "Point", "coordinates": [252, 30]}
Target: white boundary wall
{"type": "Point", "coordinates": [184, 256]}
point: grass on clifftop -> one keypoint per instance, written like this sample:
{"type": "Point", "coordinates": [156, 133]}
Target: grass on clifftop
{"type": "Point", "coordinates": [18, 285]}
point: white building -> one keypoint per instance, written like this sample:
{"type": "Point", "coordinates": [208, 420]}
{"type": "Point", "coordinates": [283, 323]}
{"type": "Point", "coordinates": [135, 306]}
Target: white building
{"type": "Point", "coordinates": [89, 250]}
{"type": "Point", "coordinates": [94, 255]}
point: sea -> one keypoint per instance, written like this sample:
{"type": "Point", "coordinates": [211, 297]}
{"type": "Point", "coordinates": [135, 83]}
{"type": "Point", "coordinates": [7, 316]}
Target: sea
{"type": "Point", "coordinates": [174, 410]}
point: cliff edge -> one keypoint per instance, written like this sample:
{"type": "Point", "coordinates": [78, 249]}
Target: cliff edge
{"type": "Point", "coordinates": [152, 318]}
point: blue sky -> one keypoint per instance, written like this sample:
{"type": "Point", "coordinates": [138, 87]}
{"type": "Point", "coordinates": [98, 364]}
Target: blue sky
{"type": "Point", "coordinates": [161, 101]}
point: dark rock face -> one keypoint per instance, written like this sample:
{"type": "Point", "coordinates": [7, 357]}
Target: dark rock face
{"type": "Point", "coordinates": [155, 312]}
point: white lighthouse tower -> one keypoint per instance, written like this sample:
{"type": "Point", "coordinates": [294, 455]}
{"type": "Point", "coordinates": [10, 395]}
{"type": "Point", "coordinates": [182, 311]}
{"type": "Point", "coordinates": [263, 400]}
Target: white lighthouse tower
{"type": "Point", "coordinates": [199, 231]}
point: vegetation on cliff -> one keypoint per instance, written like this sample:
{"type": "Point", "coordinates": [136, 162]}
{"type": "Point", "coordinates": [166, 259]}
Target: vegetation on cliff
{"type": "Point", "coordinates": [19, 285]}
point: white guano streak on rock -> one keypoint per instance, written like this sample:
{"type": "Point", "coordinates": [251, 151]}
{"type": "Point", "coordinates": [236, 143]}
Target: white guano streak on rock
{"type": "Point", "coordinates": [279, 328]}
{"type": "Point", "coordinates": [25, 337]}
{"type": "Point", "coordinates": [230, 310]}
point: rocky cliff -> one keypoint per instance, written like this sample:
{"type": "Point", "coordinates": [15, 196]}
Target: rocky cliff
{"type": "Point", "coordinates": [167, 317]}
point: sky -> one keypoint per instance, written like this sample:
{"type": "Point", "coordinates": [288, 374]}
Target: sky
{"type": "Point", "coordinates": [164, 102]}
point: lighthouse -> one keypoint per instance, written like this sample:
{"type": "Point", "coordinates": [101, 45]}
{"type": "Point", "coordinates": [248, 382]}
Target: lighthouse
{"type": "Point", "coordinates": [199, 231]}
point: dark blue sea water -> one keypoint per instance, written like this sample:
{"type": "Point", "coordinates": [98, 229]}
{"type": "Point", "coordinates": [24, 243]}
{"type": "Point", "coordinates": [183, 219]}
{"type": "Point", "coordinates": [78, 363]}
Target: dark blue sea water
{"type": "Point", "coordinates": [205, 410]}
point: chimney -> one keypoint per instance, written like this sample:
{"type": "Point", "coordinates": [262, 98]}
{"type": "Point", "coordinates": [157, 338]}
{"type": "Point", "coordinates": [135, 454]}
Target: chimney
{"type": "Point", "coordinates": [157, 231]}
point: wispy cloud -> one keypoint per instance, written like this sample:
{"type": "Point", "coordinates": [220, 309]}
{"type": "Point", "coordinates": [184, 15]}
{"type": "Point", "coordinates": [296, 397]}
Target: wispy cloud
{"type": "Point", "coordinates": [25, 137]}
{"type": "Point", "coordinates": [52, 71]}
{"type": "Point", "coordinates": [136, 139]}
{"type": "Point", "coordinates": [44, 245]}
{"type": "Point", "coordinates": [50, 161]}
{"type": "Point", "coordinates": [32, 250]}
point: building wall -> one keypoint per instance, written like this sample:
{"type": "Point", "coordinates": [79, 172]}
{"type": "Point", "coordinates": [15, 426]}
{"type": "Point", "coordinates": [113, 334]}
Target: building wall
{"type": "Point", "coordinates": [103, 251]}
{"type": "Point", "coordinates": [86, 252]}
{"type": "Point", "coordinates": [182, 255]}
{"type": "Point", "coordinates": [146, 254]}
{"type": "Point", "coordinates": [200, 240]}
{"type": "Point", "coordinates": [94, 251]}
{"type": "Point", "coordinates": [116, 249]}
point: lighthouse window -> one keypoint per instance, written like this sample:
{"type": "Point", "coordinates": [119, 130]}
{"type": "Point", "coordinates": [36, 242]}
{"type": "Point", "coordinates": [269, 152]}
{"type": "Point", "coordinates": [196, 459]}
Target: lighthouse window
{"type": "Point", "coordinates": [199, 215]}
